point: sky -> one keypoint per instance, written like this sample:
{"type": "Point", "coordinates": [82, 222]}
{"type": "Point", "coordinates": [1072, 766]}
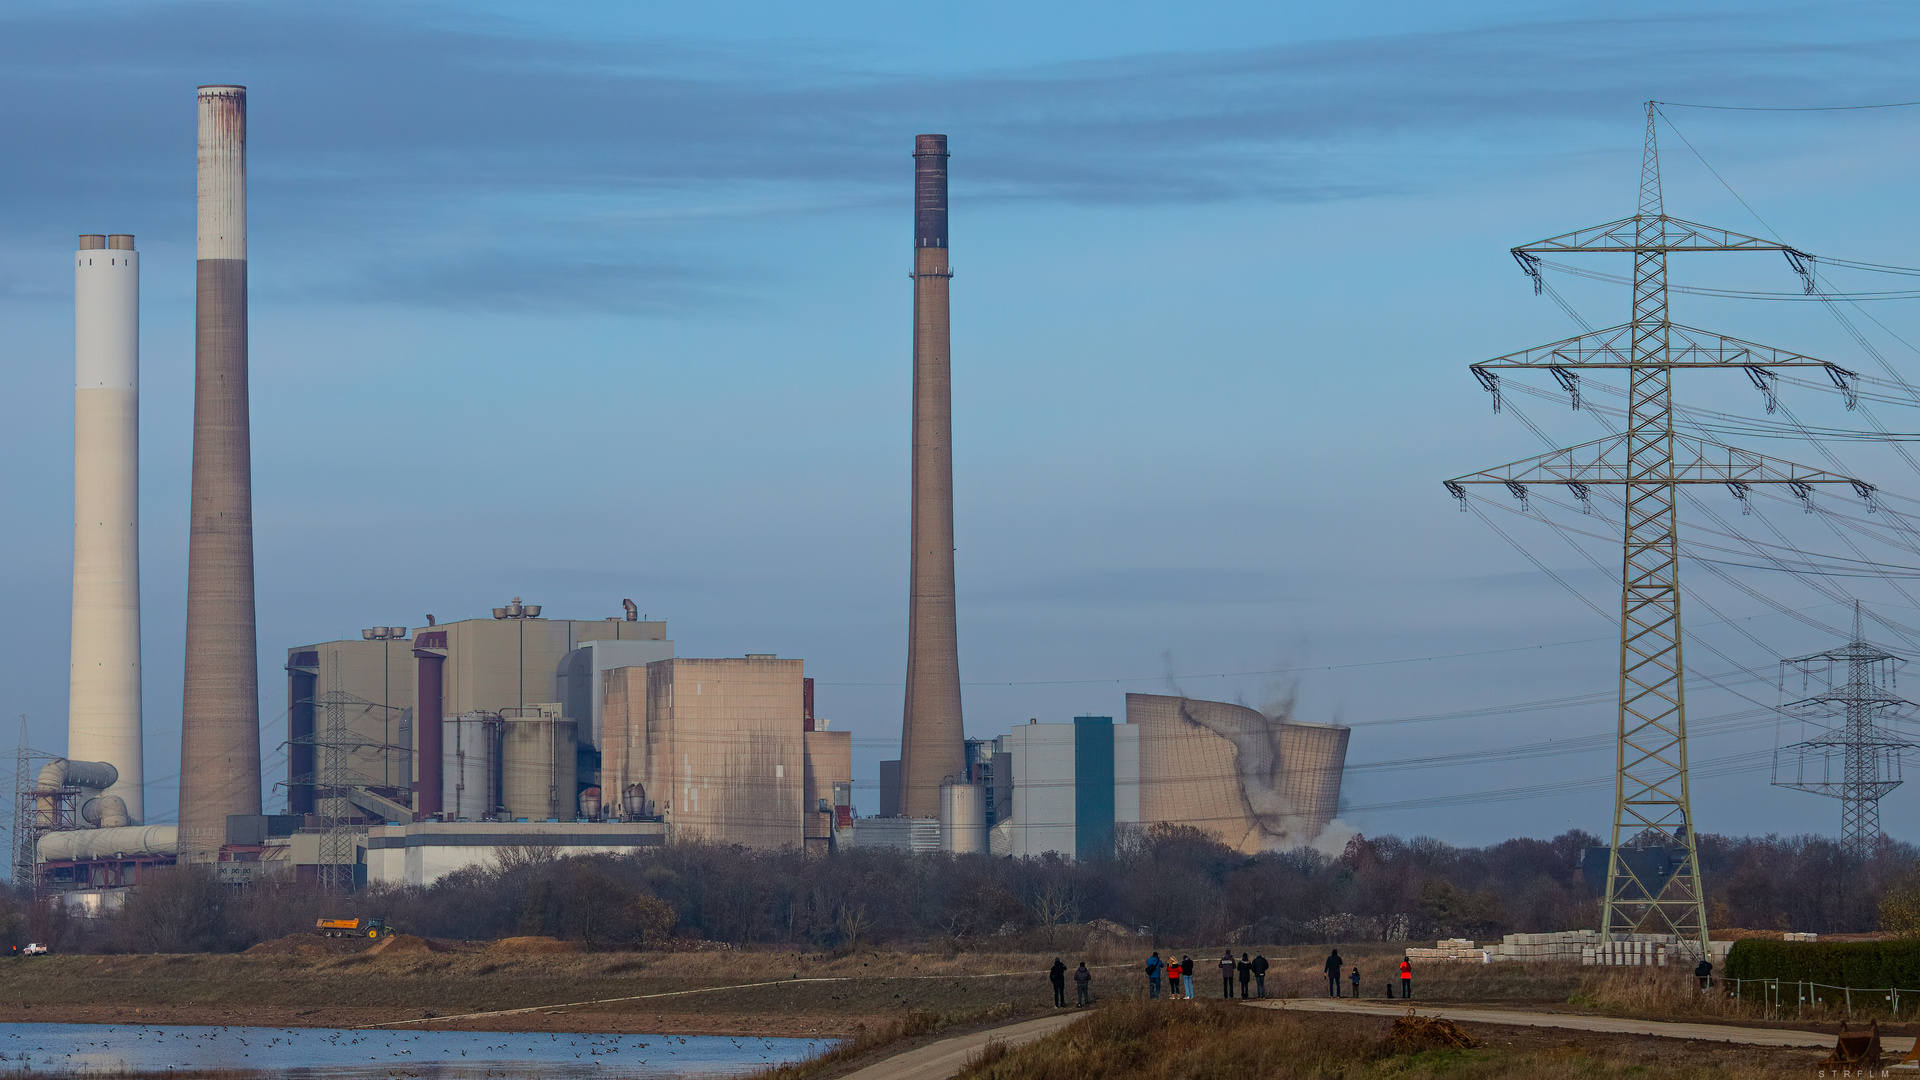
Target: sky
{"type": "Point", "coordinates": [590, 301]}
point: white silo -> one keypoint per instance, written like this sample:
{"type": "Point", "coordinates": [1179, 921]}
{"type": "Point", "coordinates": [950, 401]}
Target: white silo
{"type": "Point", "coordinates": [103, 710]}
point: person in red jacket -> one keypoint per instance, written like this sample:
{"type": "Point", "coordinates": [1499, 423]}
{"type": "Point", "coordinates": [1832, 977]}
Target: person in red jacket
{"type": "Point", "coordinates": [1406, 980]}
{"type": "Point", "coordinates": [1173, 981]}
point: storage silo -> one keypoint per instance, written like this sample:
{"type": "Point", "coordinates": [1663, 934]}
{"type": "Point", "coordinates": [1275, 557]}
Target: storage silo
{"type": "Point", "coordinates": [963, 819]}
{"type": "Point", "coordinates": [538, 767]}
{"type": "Point", "coordinates": [470, 769]}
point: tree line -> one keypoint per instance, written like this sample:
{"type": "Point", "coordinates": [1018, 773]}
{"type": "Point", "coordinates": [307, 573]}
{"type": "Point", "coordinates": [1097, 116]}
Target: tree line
{"type": "Point", "coordinates": [1175, 883]}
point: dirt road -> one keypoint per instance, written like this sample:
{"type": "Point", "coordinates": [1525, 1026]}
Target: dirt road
{"type": "Point", "coordinates": [1752, 1036]}
{"type": "Point", "coordinates": [937, 1061]}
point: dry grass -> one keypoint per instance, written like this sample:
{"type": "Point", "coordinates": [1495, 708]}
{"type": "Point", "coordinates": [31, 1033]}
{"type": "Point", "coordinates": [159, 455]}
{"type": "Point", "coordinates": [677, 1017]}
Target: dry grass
{"type": "Point", "coordinates": [1141, 1041]}
{"type": "Point", "coordinates": [881, 1041]}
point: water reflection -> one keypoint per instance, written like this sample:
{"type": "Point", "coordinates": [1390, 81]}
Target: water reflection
{"type": "Point", "coordinates": [79, 1049]}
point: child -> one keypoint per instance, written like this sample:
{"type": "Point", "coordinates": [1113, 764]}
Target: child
{"type": "Point", "coordinates": [1355, 980]}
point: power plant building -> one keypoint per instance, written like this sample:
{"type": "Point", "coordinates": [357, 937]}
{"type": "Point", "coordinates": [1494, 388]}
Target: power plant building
{"type": "Point", "coordinates": [388, 703]}
{"type": "Point", "coordinates": [1252, 782]}
{"type": "Point", "coordinates": [726, 750]}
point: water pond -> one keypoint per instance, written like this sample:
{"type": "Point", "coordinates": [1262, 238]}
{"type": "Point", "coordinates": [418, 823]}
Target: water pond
{"type": "Point", "coordinates": [335, 1054]}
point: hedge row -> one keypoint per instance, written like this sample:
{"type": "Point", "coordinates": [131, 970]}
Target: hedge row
{"type": "Point", "coordinates": [1868, 965]}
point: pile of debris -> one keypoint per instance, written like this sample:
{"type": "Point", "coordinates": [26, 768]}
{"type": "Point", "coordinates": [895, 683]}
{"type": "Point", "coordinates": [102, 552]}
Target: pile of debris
{"type": "Point", "coordinates": [1413, 1032]}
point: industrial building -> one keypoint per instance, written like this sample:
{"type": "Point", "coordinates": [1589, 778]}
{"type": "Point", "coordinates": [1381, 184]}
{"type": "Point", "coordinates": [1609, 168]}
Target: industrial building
{"type": "Point", "coordinates": [369, 718]}
{"type": "Point", "coordinates": [1253, 782]}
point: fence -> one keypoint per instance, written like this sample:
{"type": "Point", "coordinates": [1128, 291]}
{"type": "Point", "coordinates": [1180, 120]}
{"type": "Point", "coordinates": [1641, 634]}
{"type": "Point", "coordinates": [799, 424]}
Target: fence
{"type": "Point", "coordinates": [1776, 996]}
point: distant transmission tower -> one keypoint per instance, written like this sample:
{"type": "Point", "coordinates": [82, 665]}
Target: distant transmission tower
{"type": "Point", "coordinates": [1653, 876]}
{"type": "Point", "coordinates": [1857, 761]}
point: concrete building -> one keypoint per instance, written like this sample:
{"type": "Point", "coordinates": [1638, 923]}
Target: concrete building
{"type": "Point", "coordinates": [1069, 787]}
{"type": "Point", "coordinates": [395, 695]}
{"type": "Point", "coordinates": [423, 853]}
{"type": "Point", "coordinates": [720, 749]}
{"type": "Point", "coordinates": [1254, 782]}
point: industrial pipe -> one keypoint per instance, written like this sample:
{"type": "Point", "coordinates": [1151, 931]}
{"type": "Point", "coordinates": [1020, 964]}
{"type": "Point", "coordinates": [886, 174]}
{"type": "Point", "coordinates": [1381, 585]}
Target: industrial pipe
{"type": "Point", "coordinates": [83, 844]}
{"type": "Point", "coordinates": [427, 725]}
{"type": "Point", "coordinates": [65, 773]}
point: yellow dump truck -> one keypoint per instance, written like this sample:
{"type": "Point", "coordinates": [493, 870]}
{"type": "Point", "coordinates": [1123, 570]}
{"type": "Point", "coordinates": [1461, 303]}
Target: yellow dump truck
{"type": "Point", "coordinates": [371, 928]}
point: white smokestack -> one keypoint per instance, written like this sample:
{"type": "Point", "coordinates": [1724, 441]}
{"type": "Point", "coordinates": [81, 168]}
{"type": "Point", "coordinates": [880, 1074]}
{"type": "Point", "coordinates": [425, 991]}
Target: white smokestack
{"type": "Point", "coordinates": [103, 704]}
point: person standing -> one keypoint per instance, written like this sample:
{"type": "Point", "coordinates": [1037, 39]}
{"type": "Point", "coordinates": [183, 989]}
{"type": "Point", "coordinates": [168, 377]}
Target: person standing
{"type": "Point", "coordinates": [1246, 974]}
{"type": "Point", "coordinates": [1703, 971]}
{"type": "Point", "coordinates": [1226, 974]}
{"type": "Point", "coordinates": [1406, 980]}
{"type": "Point", "coordinates": [1355, 980]}
{"type": "Point", "coordinates": [1260, 966]}
{"type": "Point", "coordinates": [1333, 973]}
{"type": "Point", "coordinates": [1153, 977]}
{"type": "Point", "coordinates": [1186, 976]}
{"type": "Point", "coordinates": [1081, 979]}
{"type": "Point", "coordinates": [1058, 974]}
{"type": "Point", "coordinates": [1173, 980]}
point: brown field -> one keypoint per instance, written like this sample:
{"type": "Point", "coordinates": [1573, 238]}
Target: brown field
{"type": "Point", "coordinates": [1144, 1041]}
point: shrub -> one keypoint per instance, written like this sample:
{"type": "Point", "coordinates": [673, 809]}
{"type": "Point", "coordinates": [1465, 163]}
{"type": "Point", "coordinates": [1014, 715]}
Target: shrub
{"type": "Point", "coordinates": [1862, 964]}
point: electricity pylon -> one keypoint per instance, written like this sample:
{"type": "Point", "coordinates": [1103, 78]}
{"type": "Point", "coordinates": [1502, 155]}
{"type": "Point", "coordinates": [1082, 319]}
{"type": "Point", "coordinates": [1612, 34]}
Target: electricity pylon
{"type": "Point", "coordinates": [1868, 752]}
{"type": "Point", "coordinates": [1649, 892]}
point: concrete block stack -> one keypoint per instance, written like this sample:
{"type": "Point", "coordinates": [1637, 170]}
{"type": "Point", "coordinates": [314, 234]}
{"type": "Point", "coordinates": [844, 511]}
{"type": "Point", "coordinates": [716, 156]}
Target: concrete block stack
{"type": "Point", "coordinates": [1566, 946]}
{"type": "Point", "coordinates": [1451, 949]}
{"type": "Point", "coordinates": [1651, 950]}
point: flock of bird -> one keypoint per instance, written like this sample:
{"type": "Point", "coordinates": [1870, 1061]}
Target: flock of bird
{"type": "Point", "coordinates": [335, 1053]}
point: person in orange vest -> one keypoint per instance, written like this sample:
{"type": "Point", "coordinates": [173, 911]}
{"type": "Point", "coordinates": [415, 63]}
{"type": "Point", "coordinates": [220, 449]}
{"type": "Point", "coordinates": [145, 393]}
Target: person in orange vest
{"type": "Point", "coordinates": [1406, 980]}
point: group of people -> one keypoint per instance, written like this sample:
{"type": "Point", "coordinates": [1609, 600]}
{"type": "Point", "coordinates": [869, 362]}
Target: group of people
{"type": "Point", "coordinates": [1334, 966]}
{"type": "Point", "coordinates": [1251, 972]}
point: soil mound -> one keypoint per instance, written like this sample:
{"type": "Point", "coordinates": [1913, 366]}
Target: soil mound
{"type": "Point", "coordinates": [307, 945]}
{"type": "Point", "coordinates": [406, 945]}
{"type": "Point", "coordinates": [530, 945]}
{"type": "Point", "coordinates": [1413, 1033]}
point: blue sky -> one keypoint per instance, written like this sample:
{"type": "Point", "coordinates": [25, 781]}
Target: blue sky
{"type": "Point", "coordinates": [600, 300]}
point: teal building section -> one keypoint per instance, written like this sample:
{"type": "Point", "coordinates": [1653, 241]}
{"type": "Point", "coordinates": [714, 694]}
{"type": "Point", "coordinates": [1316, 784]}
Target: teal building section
{"type": "Point", "coordinates": [1093, 787]}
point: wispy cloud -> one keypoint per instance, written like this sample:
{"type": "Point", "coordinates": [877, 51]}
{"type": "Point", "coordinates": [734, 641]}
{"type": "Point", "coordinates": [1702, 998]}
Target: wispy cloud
{"type": "Point", "coordinates": [376, 126]}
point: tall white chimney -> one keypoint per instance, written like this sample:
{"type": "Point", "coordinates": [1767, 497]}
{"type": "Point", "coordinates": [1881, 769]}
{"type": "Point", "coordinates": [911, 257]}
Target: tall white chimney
{"type": "Point", "coordinates": [103, 704]}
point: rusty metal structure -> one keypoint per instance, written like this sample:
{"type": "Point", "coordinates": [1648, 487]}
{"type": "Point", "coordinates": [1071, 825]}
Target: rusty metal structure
{"type": "Point", "coordinates": [931, 734]}
{"type": "Point", "coordinates": [1652, 804]}
{"type": "Point", "coordinates": [1858, 759]}
{"type": "Point", "coordinates": [220, 712]}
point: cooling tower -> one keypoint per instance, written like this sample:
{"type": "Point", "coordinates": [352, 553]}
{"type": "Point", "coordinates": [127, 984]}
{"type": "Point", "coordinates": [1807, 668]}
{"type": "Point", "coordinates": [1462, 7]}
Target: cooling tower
{"type": "Point", "coordinates": [1254, 782]}
{"type": "Point", "coordinates": [103, 702]}
{"type": "Point", "coordinates": [220, 711]}
{"type": "Point", "coordinates": [931, 738]}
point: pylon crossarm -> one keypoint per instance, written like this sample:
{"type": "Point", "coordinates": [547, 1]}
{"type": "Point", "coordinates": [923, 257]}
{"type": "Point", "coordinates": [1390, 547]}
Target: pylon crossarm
{"type": "Point", "coordinates": [1687, 347]}
{"type": "Point", "coordinates": [1653, 232]}
{"type": "Point", "coordinates": [1695, 461]}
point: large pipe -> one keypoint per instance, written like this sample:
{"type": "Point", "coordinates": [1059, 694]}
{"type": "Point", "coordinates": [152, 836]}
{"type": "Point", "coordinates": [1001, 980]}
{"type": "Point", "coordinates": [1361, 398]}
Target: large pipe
{"type": "Point", "coordinates": [931, 737]}
{"type": "Point", "coordinates": [103, 688]}
{"type": "Point", "coordinates": [84, 844]}
{"type": "Point", "coordinates": [428, 725]}
{"type": "Point", "coordinates": [220, 712]}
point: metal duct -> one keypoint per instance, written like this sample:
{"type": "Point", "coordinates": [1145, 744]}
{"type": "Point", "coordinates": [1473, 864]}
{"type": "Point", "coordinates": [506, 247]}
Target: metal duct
{"type": "Point", "coordinates": [106, 812]}
{"type": "Point", "coordinates": [428, 716]}
{"type": "Point", "coordinates": [83, 844]}
{"type": "Point", "coordinates": [64, 773]}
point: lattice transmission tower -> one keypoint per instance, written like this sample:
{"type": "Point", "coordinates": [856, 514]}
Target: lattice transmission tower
{"type": "Point", "coordinates": [1858, 759]}
{"type": "Point", "coordinates": [1653, 876]}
